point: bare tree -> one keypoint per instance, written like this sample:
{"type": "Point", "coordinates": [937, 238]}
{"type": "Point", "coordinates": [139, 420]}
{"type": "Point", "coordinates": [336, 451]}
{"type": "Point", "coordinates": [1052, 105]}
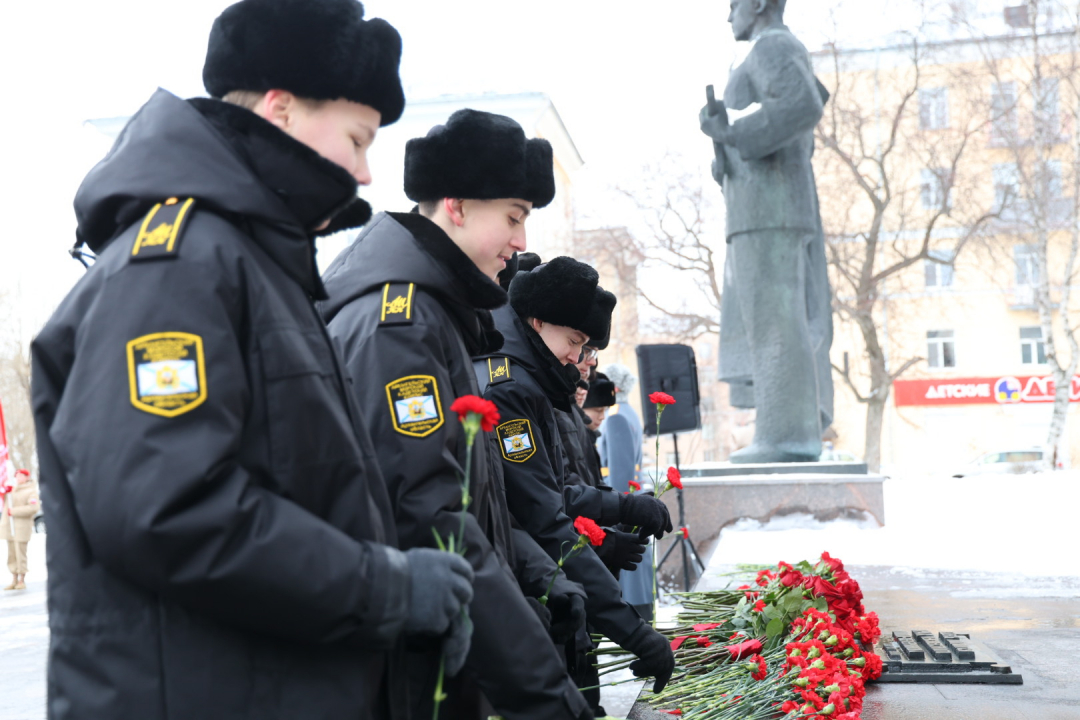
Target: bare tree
{"type": "Point", "coordinates": [890, 200]}
{"type": "Point", "coordinates": [1034, 102]}
{"type": "Point", "coordinates": [674, 235]}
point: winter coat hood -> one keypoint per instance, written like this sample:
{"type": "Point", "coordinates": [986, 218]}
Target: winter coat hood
{"type": "Point", "coordinates": [232, 162]}
{"type": "Point", "coordinates": [526, 348]}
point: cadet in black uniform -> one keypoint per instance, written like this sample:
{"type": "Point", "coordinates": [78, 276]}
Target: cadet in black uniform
{"type": "Point", "coordinates": [554, 310]}
{"type": "Point", "coordinates": [409, 304]}
{"type": "Point", "coordinates": [220, 539]}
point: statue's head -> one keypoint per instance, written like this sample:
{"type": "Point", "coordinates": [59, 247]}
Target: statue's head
{"type": "Point", "coordinates": [748, 14]}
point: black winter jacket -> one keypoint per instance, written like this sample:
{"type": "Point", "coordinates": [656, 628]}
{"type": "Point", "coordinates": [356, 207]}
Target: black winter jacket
{"type": "Point", "coordinates": [535, 465]}
{"type": "Point", "coordinates": [407, 308]}
{"type": "Point", "coordinates": [218, 528]}
{"type": "Point", "coordinates": [584, 492]}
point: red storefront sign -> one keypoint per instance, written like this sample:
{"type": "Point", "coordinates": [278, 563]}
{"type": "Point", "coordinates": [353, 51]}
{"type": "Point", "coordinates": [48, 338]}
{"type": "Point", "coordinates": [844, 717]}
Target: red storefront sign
{"type": "Point", "coordinates": [1006, 390]}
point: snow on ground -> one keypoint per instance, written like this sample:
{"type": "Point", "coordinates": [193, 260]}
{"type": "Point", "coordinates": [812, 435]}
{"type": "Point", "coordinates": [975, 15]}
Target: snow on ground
{"type": "Point", "coordinates": [1022, 524]}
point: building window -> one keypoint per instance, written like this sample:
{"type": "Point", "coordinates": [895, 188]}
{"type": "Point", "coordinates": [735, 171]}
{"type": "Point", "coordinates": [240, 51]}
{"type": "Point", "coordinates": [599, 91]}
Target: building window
{"type": "Point", "coordinates": [1002, 112]}
{"type": "Point", "coordinates": [1047, 96]}
{"type": "Point", "coordinates": [1027, 265]}
{"type": "Point", "coordinates": [941, 349]}
{"type": "Point", "coordinates": [938, 275]}
{"type": "Point", "coordinates": [934, 188]}
{"type": "Point", "coordinates": [1006, 185]}
{"type": "Point", "coordinates": [1050, 179]}
{"type": "Point", "coordinates": [1017, 16]}
{"type": "Point", "coordinates": [934, 108]}
{"type": "Point", "coordinates": [1032, 347]}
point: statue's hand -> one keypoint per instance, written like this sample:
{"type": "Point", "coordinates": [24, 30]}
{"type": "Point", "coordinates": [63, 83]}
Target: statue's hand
{"type": "Point", "coordinates": [718, 171]}
{"type": "Point", "coordinates": [715, 126]}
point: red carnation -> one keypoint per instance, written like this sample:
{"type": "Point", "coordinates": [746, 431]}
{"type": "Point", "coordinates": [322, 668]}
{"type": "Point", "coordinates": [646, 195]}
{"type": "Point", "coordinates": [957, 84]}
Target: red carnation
{"type": "Point", "coordinates": [685, 532]}
{"type": "Point", "coordinates": [759, 606]}
{"type": "Point", "coordinates": [661, 398]}
{"type": "Point", "coordinates": [635, 485]}
{"type": "Point", "coordinates": [674, 477]}
{"type": "Point", "coordinates": [762, 669]}
{"type": "Point", "coordinates": [703, 641]}
{"type": "Point", "coordinates": [489, 414]}
{"type": "Point", "coordinates": [585, 526]}
{"type": "Point", "coordinates": [748, 647]}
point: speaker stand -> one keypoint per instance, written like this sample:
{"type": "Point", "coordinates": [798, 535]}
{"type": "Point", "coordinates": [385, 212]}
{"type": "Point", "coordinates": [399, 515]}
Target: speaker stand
{"type": "Point", "coordinates": [682, 539]}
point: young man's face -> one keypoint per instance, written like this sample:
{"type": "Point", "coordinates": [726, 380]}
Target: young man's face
{"type": "Point", "coordinates": [596, 414]}
{"type": "Point", "coordinates": [489, 231]}
{"type": "Point", "coordinates": [588, 361]}
{"type": "Point", "coordinates": [565, 343]}
{"type": "Point", "coordinates": [339, 130]}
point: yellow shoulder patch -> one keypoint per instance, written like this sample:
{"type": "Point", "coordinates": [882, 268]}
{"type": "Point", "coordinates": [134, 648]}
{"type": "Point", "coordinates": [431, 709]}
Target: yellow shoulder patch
{"type": "Point", "coordinates": [396, 305]}
{"type": "Point", "coordinates": [161, 231]}
{"type": "Point", "coordinates": [414, 405]}
{"type": "Point", "coordinates": [516, 440]}
{"type": "Point", "coordinates": [167, 373]}
{"type": "Point", "coordinates": [498, 370]}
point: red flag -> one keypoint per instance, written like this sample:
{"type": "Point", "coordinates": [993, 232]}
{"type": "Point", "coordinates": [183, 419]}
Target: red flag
{"type": "Point", "coordinates": [3, 449]}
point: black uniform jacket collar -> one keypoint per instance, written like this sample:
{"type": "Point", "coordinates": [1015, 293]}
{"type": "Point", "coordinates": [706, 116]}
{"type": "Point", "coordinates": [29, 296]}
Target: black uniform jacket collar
{"type": "Point", "coordinates": [231, 161]}
{"type": "Point", "coordinates": [407, 247]}
{"type": "Point", "coordinates": [526, 349]}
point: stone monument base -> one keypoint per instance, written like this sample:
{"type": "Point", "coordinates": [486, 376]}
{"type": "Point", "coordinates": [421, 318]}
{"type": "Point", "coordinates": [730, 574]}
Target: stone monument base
{"type": "Point", "coordinates": [730, 493]}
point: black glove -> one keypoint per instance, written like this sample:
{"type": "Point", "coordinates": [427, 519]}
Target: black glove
{"type": "Point", "coordinates": [455, 646]}
{"type": "Point", "coordinates": [645, 512]}
{"type": "Point", "coordinates": [541, 612]}
{"type": "Point", "coordinates": [441, 586]}
{"type": "Point", "coordinates": [655, 658]}
{"type": "Point", "coordinates": [567, 615]}
{"type": "Point", "coordinates": [621, 550]}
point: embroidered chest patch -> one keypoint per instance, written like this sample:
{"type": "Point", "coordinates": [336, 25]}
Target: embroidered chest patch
{"type": "Point", "coordinates": [414, 405]}
{"type": "Point", "coordinates": [167, 373]}
{"type": "Point", "coordinates": [516, 440]}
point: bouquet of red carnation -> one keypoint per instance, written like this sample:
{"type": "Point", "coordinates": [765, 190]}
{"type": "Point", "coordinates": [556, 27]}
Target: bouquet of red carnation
{"type": "Point", "coordinates": [797, 642]}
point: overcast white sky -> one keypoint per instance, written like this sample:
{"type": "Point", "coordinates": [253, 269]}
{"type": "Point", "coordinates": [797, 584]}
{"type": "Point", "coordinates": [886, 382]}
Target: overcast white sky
{"type": "Point", "coordinates": [628, 79]}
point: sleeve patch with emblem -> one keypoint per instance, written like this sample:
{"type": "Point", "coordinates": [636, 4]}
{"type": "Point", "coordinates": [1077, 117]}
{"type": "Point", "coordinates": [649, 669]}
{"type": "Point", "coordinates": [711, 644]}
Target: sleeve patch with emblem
{"type": "Point", "coordinates": [516, 440]}
{"type": "Point", "coordinates": [161, 231]}
{"type": "Point", "coordinates": [498, 370]}
{"type": "Point", "coordinates": [167, 373]}
{"type": "Point", "coordinates": [414, 405]}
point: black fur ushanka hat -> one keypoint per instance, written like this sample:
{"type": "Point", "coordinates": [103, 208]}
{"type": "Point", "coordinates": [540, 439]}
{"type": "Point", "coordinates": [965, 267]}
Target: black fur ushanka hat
{"type": "Point", "coordinates": [601, 392]}
{"type": "Point", "coordinates": [480, 156]}
{"type": "Point", "coordinates": [316, 49]}
{"type": "Point", "coordinates": [565, 292]}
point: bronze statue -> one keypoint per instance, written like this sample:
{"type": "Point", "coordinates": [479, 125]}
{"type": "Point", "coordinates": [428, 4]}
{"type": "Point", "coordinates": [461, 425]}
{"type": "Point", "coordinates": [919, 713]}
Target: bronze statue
{"type": "Point", "coordinates": [776, 317]}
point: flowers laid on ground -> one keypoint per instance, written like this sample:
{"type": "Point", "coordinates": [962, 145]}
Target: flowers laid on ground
{"type": "Point", "coordinates": [796, 644]}
{"type": "Point", "coordinates": [589, 533]}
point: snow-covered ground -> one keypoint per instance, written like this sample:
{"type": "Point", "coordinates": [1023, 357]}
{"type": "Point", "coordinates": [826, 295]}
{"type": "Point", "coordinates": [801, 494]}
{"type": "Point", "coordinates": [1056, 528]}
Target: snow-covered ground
{"type": "Point", "coordinates": [1020, 524]}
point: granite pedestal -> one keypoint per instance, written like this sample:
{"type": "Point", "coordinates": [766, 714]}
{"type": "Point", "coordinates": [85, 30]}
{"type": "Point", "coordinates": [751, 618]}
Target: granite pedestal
{"type": "Point", "coordinates": [717, 495]}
